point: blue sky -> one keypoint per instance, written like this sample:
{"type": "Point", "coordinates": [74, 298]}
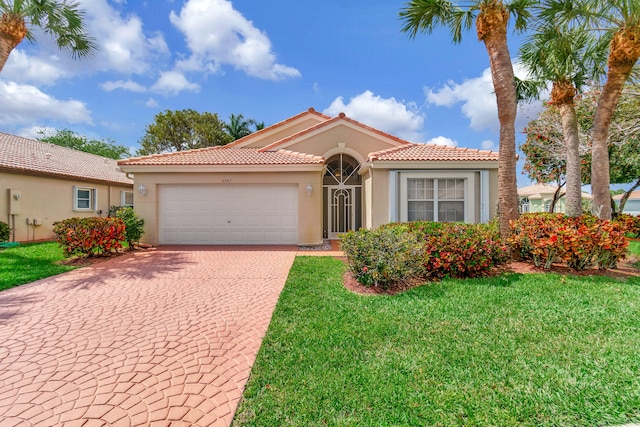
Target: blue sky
{"type": "Point", "coordinates": [267, 60]}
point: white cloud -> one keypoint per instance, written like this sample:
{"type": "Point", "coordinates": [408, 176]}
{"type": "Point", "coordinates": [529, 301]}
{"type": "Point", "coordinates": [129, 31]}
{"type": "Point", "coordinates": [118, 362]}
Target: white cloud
{"type": "Point", "coordinates": [443, 140]}
{"type": "Point", "coordinates": [172, 83]}
{"type": "Point", "coordinates": [479, 101]}
{"type": "Point", "coordinates": [123, 45]}
{"type": "Point", "coordinates": [128, 85]}
{"type": "Point", "coordinates": [25, 104]}
{"type": "Point", "coordinates": [151, 103]}
{"type": "Point", "coordinates": [23, 68]}
{"type": "Point", "coordinates": [387, 114]}
{"type": "Point", "coordinates": [218, 34]}
{"type": "Point", "coordinates": [488, 144]}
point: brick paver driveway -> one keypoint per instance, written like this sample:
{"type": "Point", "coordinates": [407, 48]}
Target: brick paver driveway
{"type": "Point", "coordinates": [164, 337]}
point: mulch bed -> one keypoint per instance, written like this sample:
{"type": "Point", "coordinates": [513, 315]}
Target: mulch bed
{"type": "Point", "coordinates": [623, 271]}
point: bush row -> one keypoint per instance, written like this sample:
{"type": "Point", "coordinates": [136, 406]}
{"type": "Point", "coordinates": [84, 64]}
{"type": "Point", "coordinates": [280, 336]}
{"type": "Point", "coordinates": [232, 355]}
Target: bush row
{"type": "Point", "coordinates": [394, 253]}
{"type": "Point", "coordinates": [580, 242]}
{"type": "Point", "coordinates": [399, 252]}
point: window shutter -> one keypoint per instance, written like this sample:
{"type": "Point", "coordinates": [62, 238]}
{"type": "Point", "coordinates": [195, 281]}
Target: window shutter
{"type": "Point", "coordinates": [75, 197]}
{"type": "Point", "coordinates": [95, 199]}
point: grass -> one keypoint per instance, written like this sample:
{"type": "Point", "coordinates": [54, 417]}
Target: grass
{"type": "Point", "coordinates": [634, 249]}
{"type": "Point", "coordinates": [514, 350]}
{"type": "Point", "coordinates": [29, 262]}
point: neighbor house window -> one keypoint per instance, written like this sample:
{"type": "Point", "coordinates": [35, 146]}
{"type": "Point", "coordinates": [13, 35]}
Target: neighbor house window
{"type": "Point", "coordinates": [524, 205]}
{"type": "Point", "coordinates": [126, 198]}
{"type": "Point", "coordinates": [435, 199]}
{"type": "Point", "coordinates": [84, 199]}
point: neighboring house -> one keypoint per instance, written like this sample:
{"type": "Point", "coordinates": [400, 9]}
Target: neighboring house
{"type": "Point", "coordinates": [305, 178]}
{"type": "Point", "coordinates": [538, 198]}
{"type": "Point", "coordinates": [632, 206]}
{"type": "Point", "coordinates": [42, 183]}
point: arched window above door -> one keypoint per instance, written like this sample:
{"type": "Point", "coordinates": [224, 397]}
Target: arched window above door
{"type": "Point", "coordinates": [342, 169]}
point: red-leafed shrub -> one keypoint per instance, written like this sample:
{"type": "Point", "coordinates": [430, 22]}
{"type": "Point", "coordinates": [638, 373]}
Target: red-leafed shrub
{"type": "Point", "coordinates": [420, 250]}
{"type": "Point", "coordinates": [629, 223]}
{"type": "Point", "coordinates": [460, 250]}
{"type": "Point", "coordinates": [90, 236]}
{"type": "Point", "coordinates": [580, 242]}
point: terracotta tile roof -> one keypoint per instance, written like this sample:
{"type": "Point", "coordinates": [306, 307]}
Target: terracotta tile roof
{"type": "Point", "coordinates": [432, 152]}
{"type": "Point", "coordinates": [32, 157]}
{"type": "Point", "coordinates": [225, 155]}
{"type": "Point", "coordinates": [310, 111]}
{"type": "Point", "coordinates": [535, 191]}
{"type": "Point", "coordinates": [329, 122]}
{"type": "Point", "coordinates": [633, 195]}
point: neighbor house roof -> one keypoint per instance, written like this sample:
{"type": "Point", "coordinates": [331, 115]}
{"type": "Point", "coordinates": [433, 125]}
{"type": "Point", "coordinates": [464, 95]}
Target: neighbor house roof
{"type": "Point", "coordinates": [432, 152]}
{"type": "Point", "coordinates": [633, 195]}
{"type": "Point", "coordinates": [30, 157]}
{"type": "Point", "coordinates": [225, 155]}
{"type": "Point", "coordinates": [536, 191]}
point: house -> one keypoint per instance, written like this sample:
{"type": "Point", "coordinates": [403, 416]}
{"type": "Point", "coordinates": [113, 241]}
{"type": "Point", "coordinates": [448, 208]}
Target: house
{"type": "Point", "coordinates": [632, 206]}
{"type": "Point", "coordinates": [307, 178]}
{"type": "Point", "coordinates": [538, 198]}
{"type": "Point", "coordinates": [42, 183]}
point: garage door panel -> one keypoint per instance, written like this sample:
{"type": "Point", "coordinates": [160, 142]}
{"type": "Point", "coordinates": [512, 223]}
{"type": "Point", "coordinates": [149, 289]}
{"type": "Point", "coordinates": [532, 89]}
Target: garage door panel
{"type": "Point", "coordinates": [228, 214]}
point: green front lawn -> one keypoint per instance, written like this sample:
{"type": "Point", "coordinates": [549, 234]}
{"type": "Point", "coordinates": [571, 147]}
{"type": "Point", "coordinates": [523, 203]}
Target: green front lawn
{"type": "Point", "coordinates": [514, 350]}
{"type": "Point", "coordinates": [29, 262]}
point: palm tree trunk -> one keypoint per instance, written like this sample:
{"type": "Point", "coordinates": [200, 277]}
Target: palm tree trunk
{"type": "Point", "coordinates": [624, 53]}
{"type": "Point", "coordinates": [573, 204]}
{"type": "Point", "coordinates": [491, 26]}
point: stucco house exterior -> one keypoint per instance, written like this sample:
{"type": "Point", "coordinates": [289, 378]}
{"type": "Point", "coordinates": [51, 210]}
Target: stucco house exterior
{"type": "Point", "coordinates": [538, 198]}
{"type": "Point", "coordinates": [632, 206]}
{"type": "Point", "coordinates": [307, 178]}
{"type": "Point", "coordinates": [42, 183]}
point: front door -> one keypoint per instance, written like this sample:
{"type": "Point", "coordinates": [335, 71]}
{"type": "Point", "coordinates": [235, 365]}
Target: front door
{"type": "Point", "coordinates": [341, 201]}
{"type": "Point", "coordinates": [342, 192]}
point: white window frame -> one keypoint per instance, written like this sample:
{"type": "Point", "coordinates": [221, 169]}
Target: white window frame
{"type": "Point", "coordinates": [123, 198]}
{"type": "Point", "coordinates": [93, 199]}
{"type": "Point", "coordinates": [468, 178]}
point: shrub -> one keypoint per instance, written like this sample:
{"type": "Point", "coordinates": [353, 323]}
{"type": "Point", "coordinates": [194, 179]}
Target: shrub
{"type": "Point", "coordinates": [383, 256]}
{"type": "Point", "coordinates": [5, 232]}
{"type": "Point", "coordinates": [460, 250]}
{"type": "Point", "coordinates": [133, 223]}
{"type": "Point", "coordinates": [89, 236]}
{"type": "Point", "coordinates": [630, 224]}
{"type": "Point", "coordinates": [580, 242]}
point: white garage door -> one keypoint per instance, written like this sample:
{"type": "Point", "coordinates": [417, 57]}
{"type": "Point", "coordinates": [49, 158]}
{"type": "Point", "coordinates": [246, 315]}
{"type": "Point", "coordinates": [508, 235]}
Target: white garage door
{"type": "Point", "coordinates": [230, 214]}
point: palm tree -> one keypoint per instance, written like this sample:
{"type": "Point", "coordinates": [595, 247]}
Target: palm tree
{"type": "Point", "coordinates": [491, 20]}
{"type": "Point", "coordinates": [622, 17]}
{"type": "Point", "coordinates": [567, 57]}
{"type": "Point", "coordinates": [238, 127]}
{"type": "Point", "coordinates": [60, 19]}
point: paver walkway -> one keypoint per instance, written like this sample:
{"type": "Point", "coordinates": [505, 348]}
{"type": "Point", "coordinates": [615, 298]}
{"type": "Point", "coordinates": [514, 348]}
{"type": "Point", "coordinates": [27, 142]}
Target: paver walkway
{"type": "Point", "coordinates": [164, 337]}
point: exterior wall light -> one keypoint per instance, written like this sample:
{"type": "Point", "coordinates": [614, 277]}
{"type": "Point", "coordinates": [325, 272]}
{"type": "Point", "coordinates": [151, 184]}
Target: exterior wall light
{"type": "Point", "coordinates": [142, 190]}
{"type": "Point", "coordinates": [309, 189]}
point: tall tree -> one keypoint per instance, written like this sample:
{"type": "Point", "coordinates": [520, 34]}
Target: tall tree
{"type": "Point", "coordinates": [491, 19]}
{"type": "Point", "coordinates": [178, 130]}
{"type": "Point", "coordinates": [567, 56]}
{"type": "Point", "coordinates": [61, 19]}
{"type": "Point", "coordinates": [545, 159]}
{"type": "Point", "coordinates": [622, 18]}
{"type": "Point", "coordinates": [70, 139]}
{"type": "Point", "coordinates": [238, 127]}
